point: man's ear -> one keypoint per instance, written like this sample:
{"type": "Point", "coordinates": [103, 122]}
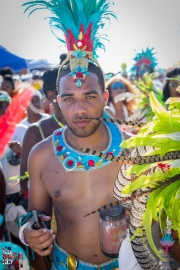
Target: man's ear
{"type": "Point", "coordinates": [58, 99]}
{"type": "Point", "coordinates": [105, 97]}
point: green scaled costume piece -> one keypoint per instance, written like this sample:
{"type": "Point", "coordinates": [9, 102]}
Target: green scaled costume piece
{"type": "Point", "coordinates": [161, 136]}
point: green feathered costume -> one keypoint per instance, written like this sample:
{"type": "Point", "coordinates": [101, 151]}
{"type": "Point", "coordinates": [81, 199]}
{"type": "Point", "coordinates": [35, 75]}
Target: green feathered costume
{"type": "Point", "coordinates": [162, 135]}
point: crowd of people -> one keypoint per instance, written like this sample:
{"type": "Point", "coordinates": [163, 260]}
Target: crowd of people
{"type": "Point", "coordinates": [74, 140]}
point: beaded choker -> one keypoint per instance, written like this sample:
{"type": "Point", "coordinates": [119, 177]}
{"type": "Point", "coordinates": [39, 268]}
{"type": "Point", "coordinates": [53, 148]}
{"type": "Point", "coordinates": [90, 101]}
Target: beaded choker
{"type": "Point", "coordinates": [73, 160]}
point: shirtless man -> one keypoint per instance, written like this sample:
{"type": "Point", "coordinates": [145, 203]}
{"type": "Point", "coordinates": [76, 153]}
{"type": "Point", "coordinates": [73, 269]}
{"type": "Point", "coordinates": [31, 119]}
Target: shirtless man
{"type": "Point", "coordinates": [42, 129]}
{"type": "Point", "coordinates": [76, 192]}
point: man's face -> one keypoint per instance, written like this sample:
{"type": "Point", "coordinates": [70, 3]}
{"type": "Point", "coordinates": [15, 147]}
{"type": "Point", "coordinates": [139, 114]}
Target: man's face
{"type": "Point", "coordinates": [78, 103]}
{"type": "Point", "coordinates": [7, 87]}
{"type": "Point", "coordinates": [3, 107]}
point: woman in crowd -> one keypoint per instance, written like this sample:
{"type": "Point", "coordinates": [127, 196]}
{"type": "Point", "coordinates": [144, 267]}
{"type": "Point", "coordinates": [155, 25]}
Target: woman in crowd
{"type": "Point", "coordinates": [171, 83]}
{"type": "Point", "coordinates": [121, 97]}
{"type": "Point", "coordinates": [8, 86]}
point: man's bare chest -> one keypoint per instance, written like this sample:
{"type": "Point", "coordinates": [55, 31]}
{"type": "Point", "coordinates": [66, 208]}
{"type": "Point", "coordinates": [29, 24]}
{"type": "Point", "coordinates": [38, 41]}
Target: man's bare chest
{"type": "Point", "coordinates": [63, 186]}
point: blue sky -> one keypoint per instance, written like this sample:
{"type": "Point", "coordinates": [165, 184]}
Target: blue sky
{"type": "Point", "coordinates": [141, 23]}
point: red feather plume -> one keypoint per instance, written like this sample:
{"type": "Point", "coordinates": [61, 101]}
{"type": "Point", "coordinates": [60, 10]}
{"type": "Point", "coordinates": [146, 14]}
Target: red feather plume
{"type": "Point", "coordinates": [86, 41]}
{"type": "Point", "coordinates": [13, 115]}
{"type": "Point", "coordinates": [71, 40]}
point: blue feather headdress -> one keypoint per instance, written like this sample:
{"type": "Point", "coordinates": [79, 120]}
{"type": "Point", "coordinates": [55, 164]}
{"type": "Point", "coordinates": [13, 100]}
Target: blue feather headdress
{"type": "Point", "coordinates": [80, 21]}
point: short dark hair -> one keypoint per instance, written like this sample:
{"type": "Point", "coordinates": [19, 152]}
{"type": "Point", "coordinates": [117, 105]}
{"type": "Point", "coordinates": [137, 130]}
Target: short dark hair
{"type": "Point", "coordinates": [91, 68]}
{"type": "Point", "coordinates": [6, 71]}
{"type": "Point", "coordinates": [62, 57]}
{"type": "Point", "coordinates": [49, 78]}
{"type": "Point", "coordinates": [8, 78]}
{"type": "Point", "coordinates": [170, 74]}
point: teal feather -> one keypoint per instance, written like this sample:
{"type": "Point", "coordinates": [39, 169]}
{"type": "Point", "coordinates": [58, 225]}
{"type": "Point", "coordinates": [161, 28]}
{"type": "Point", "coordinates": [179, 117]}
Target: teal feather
{"type": "Point", "coordinates": [61, 40]}
{"type": "Point", "coordinates": [34, 10]}
{"type": "Point", "coordinates": [100, 4]}
{"type": "Point", "coordinates": [78, 13]}
{"type": "Point", "coordinates": [89, 7]}
{"type": "Point", "coordinates": [70, 14]}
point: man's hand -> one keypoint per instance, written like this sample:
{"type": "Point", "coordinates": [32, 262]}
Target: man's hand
{"type": "Point", "coordinates": [16, 147]}
{"type": "Point", "coordinates": [41, 241]}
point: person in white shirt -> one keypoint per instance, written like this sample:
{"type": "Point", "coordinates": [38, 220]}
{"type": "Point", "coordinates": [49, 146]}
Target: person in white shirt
{"type": "Point", "coordinates": [34, 113]}
{"type": "Point", "coordinates": [11, 167]}
{"type": "Point", "coordinates": [10, 161]}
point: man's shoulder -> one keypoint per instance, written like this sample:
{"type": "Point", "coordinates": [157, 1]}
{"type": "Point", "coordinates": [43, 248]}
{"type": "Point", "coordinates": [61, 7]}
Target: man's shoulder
{"type": "Point", "coordinates": [33, 128]}
{"type": "Point", "coordinates": [32, 136]}
{"type": "Point", "coordinates": [42, 147]}
{"type": "Point", "coordinates": [44, 116]}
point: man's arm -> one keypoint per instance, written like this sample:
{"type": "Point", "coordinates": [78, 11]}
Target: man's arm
{"type": "Point", "coordinates": [2, 200]}
{"type": "Point", "coordinates": [31, 138]}
{"type": "Point", "coordinates": [39, 199]}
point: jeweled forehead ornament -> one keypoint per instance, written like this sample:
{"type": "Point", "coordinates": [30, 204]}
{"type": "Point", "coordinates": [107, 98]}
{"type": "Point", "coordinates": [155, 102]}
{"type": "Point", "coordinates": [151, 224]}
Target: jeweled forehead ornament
{"type": "Point", "coordinates": [79, 57]}
{"type": "Point", "coordinates": [79, 60]}
{"type": "Point", "coordinates": [79, 54]}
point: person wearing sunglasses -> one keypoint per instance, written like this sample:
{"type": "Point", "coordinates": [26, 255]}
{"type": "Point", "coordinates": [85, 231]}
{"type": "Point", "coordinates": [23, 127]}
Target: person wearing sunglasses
{"type": "Point", "coordinates": [172, 82]}
{"type": "Point", "coordinates": [121, 97]}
